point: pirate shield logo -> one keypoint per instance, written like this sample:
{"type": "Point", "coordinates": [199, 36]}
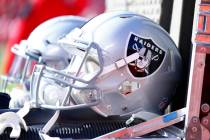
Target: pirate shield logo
{"type": "Point", "coordinates": [151, 56]}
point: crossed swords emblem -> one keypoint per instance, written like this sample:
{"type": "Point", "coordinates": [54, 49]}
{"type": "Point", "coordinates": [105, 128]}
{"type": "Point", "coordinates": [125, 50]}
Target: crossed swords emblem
{"type": "Point", "coordinates": [145, 58]}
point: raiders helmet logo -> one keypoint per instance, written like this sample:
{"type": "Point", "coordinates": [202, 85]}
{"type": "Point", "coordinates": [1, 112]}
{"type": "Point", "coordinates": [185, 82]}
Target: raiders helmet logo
{"type": "Point", "coordinates": [151, 56]}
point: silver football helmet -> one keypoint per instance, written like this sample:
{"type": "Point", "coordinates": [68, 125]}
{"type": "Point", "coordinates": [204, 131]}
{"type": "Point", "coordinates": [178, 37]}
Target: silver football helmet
{"type": "Point", "coordinates": [121, 63]}
{"type": "Point", "coordinates": [39, 48]}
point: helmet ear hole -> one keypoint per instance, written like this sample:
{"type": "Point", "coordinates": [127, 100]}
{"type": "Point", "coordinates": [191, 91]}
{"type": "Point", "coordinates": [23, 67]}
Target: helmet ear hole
{"type": "Point", "coordinates": [69, 60]}
{"type": "Point", "coordinates": [47, 41]}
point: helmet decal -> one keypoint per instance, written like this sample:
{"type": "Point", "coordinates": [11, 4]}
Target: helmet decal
{"type": "Point", "coordinates": [151, 56]}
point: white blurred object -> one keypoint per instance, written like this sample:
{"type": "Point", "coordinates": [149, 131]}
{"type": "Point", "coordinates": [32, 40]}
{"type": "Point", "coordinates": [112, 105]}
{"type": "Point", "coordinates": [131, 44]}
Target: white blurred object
{"type": "Point", "coordinates": [148, 8]}
{"type": "Point", "coordinates": [18, 98]}
{"type": "Point", "coordinates": [15, 121]}
{"type": "Point", "coordinates": [52, 94]}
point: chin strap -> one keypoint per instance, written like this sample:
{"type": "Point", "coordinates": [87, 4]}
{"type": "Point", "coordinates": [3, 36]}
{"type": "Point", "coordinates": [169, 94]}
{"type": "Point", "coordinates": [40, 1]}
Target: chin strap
{"type": "Point", "coordinates": [15, 121]}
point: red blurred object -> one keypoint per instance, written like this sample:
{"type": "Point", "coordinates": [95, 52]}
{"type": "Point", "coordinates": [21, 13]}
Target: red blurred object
{"type": "Point", "coordinates": [30, 13]}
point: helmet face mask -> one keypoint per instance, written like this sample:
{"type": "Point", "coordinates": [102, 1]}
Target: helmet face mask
{"type": "Point", "coordinates": [134, 67]}
{"type": "Point", "coordinates": [85, 66]}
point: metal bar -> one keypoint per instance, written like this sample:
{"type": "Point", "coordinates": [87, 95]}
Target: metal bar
{"type": "Point", "coordinates": [194, 96]}
{"type": "Point", "coordinates": [148, 126]}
